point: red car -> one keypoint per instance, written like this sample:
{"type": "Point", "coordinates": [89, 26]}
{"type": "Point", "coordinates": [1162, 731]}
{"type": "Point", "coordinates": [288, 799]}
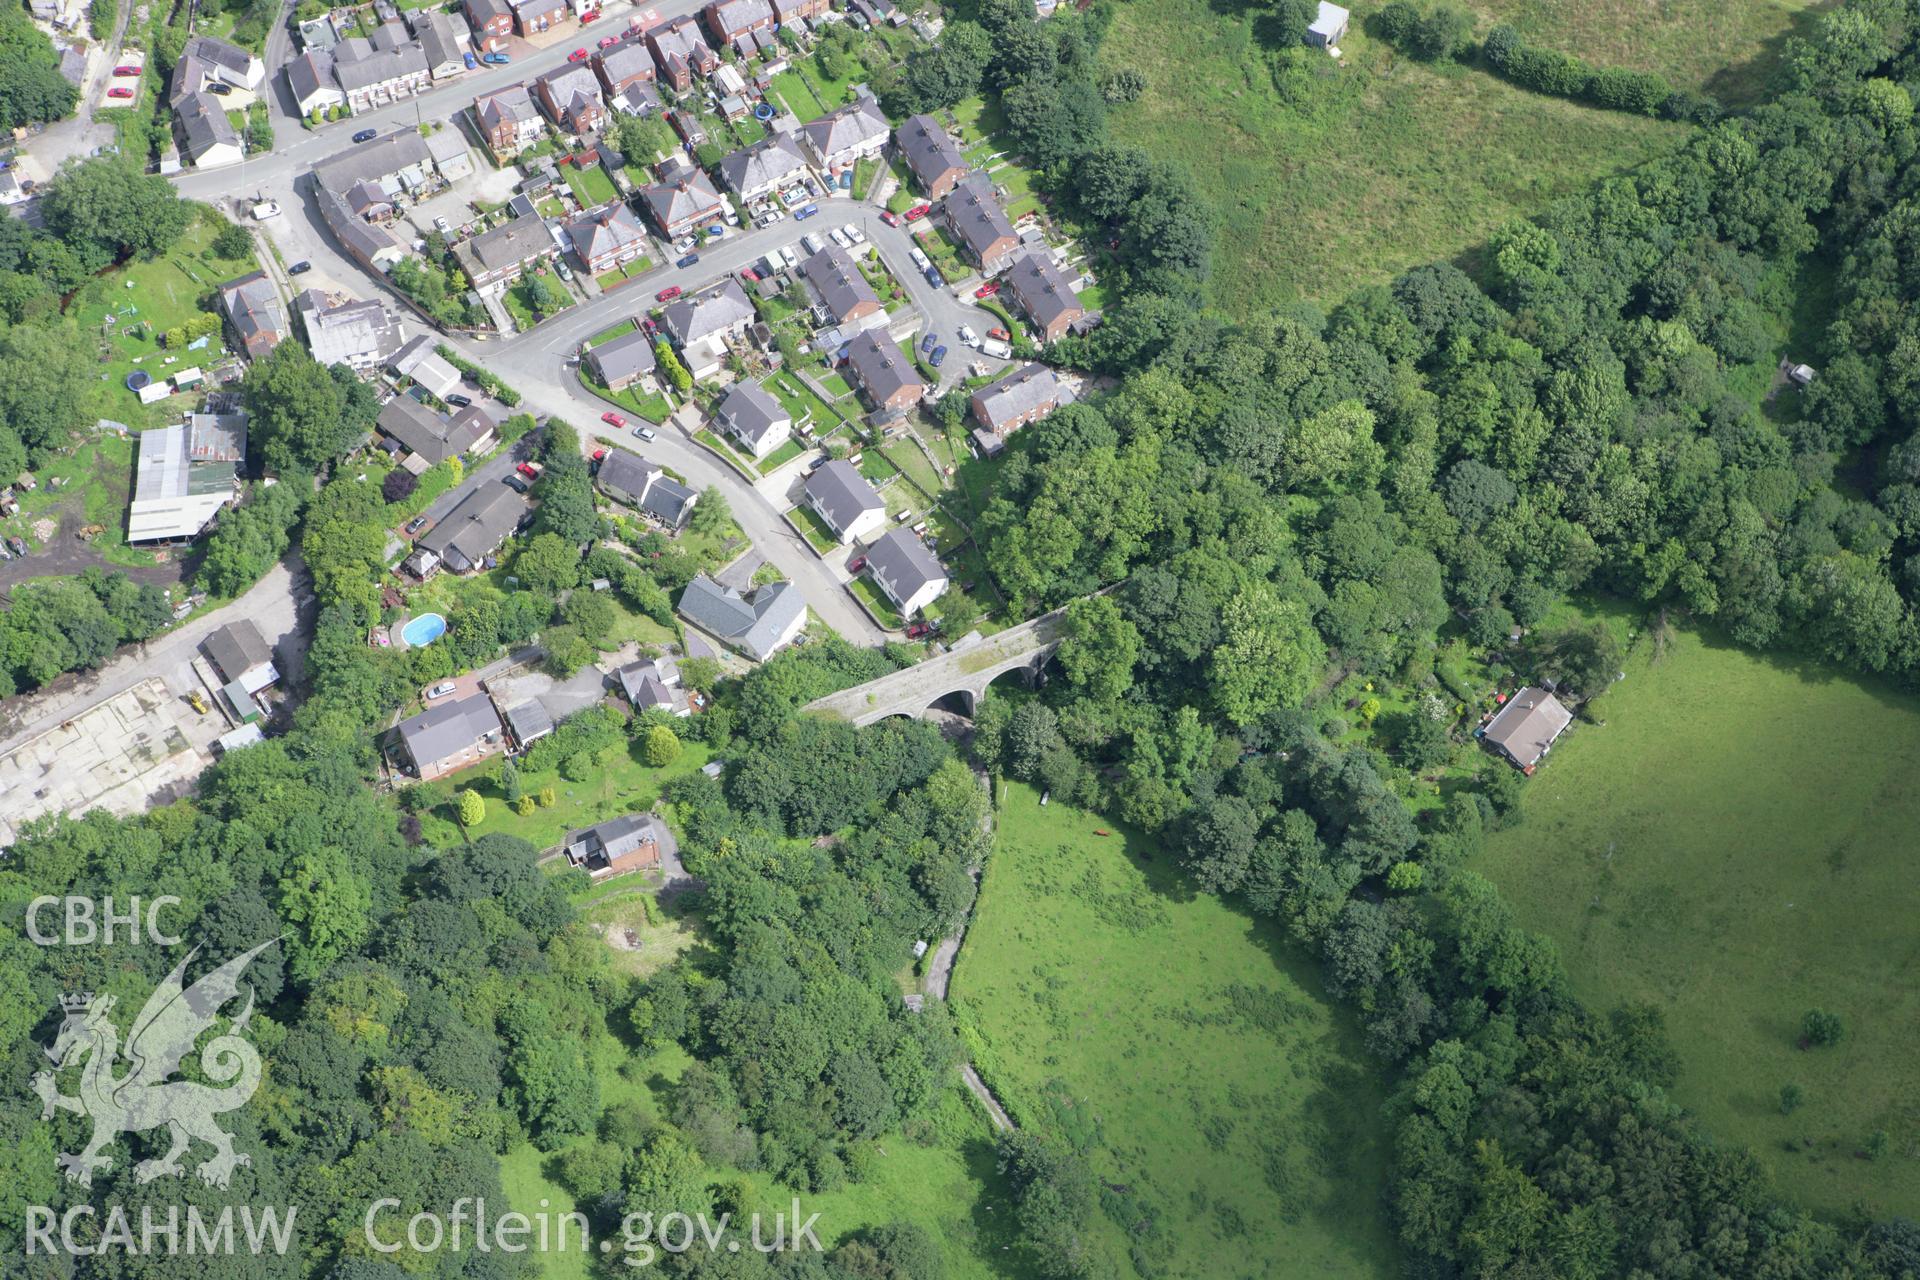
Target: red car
{"type": "Point", "coordinates": [858, 564]}
{"type": "Point", "coordinates": [749, 274]}
{"type": "Point", "coordinates": [667, 294]}
{"type": "Point", "coordinates": [997, 333]}
{"type": "Point", "coordinates": [599, 455]}
{"type": "Point", "coordinates": [612, 420]}
{"type": "Point", "coordinates": [891, 218]}
{"type": "Point", "coordinates": [528, 470]}
{"type": "Point", "coordinates": [918, 212]}
{"type": "Point", "coordinates": [987, 290]}
{"type": "Point", "coordinates": [647, 326]}
{"type": "Point", "coordinates": [127, 70]}
{"type": "Point", "coordinates": [578, 55]}
{"type": "Point", "coordinates": [609, 41]}
{"type": "Point", "coordinates": [119, 93]}
{"type": "Point", "coordinates": [591, 16]}
{"type": "Point", "coordinates": [918, 630]}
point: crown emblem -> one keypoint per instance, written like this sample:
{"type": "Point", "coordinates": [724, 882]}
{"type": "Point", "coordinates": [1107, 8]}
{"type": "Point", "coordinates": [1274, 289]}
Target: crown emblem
{"type": "Point", "coordinates": [77, 1001]}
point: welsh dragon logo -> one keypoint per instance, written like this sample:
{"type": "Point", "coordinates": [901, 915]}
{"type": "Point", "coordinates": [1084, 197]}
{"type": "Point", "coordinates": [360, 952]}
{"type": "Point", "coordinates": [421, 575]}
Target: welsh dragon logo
{"type": "Point", "coordinates": [143, 1097]}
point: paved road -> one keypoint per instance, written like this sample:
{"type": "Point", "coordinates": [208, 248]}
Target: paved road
{"type": "Point", "coordinates": [276, 604]}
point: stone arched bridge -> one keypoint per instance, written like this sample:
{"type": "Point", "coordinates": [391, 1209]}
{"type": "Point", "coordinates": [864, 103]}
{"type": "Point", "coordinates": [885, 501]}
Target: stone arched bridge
{"type": "Point", "coordinates": [964, 671]}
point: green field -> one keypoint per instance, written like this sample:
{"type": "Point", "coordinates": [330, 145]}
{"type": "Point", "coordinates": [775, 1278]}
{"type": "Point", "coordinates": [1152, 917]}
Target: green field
{"type": "Point", "coordinates": [1735, 845]}
{"type": "Point", "coordinates": [1359, 171]}
{"type": "Point", "coordinates": [1185, 1047]}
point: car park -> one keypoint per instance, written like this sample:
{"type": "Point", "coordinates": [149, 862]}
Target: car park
{"type": "Point", "coordinates": [613, 419]}
{"type": "Point", "coordinates": [366, 135]}
{"type": "Point", "coordinates": [667, 294]}
{"type": "Point", "coordinates": [691, 260]}
{"type": "Point", "coordinates": [118, 92]}
{"type": "Point", "coordinates": [300, 268]}
{"type": "Point", "coordinates": [645, 432]}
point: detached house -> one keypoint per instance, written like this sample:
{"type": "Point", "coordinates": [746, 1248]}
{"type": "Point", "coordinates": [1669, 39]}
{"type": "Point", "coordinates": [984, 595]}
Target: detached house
{"type": "Point", "coordinates": [931, 155]}
{"type": "Point", "coordinates": [433, 437]}
{"type": "Point", "coordinates": [1526, 727]}
{"type": "Point", "coordinates": [570, 93]}
{"type": "Point", "coordinates": [701, 326]}
{"type": "Point", "coordinates": [620, 362]}
{"type": "Point", "coordinates": [361, 334]}
{"type": "Point", "coordinates": [636, 842]}
{"type": "Point", "coordinates": [883, 372]}
{"type": "Point", "coordinates": [444, 44]}
{"type": "Point", "coordinates": [681, 52]}
{"type": "Point", "coordinates": [508, 120]}
{"type": "Point", "coordinates": [840, 138]}
{"type": "Point", "coordinates": [448, 737]}
{"type": "Point", "coordinates": [842, 290]}
{"type": "Point", "coordinates": [1025, 395]}
{"type": "Point", "coordinates": [495, 257]}
{"type": "Point", "coordinates": [204, 61]}
{"type": "Point", "coordinates": [1044, 294]}
{"type": "Point", "coordinates": [492, 23]}
{"type": "Point", "coordinates": [624, 65]}
{"type": "Point", "coordinates": [682, 200]}
{"type": "Point", "coordinates": [645, 486]}
{"type": "Point", "coordinates": [655, 682]}
{"type": "Point", "coordinates": [841, 497]}
{"type": "Point", "coordinates": [206, 135]}
{"type": "Point", "coordinates": [757, 625]}
{"type": "Point", "coordinates": [762, 168]}
{"type": "Point", "coordinates": [753, 418]}
{"type": "Point", "coordinates": [532, 16]}
{"type": "Point", "coordinates": [905, 571]}
{"type": "Point", "coordinates": [252, 307]}
{"type": "Point", "coordinates": [311, 81]}
{"type": "Point", "coordinates": [473, 530]}
{"type": "Point", "coordinates": [728, 20]}
{"type": "Point", "coordinates": [972, 214]}
{"type": "Point", "coordinates": [608, 237]}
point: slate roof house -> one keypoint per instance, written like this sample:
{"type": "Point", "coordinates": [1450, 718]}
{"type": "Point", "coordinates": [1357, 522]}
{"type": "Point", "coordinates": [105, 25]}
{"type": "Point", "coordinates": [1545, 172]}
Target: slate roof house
{"type": "Point", "coordinates": [620, 362]}
{"type": "Point", "coordinates": [634, 481]}
{"type": "Point", "coordinates": [1525, 729]}
{"type": "Point", "coordinates": [931, 155]}
{"type": "Point", "coordinates": [626, 64]}
{"type": "Point", "coordinates": [532, 16]}
{"type": "Point", "coordinates": [452, 735]}
{"type": "Point", "coordinates": [910, 575]}
{"type": "Point", "coordinates": [254, 314]}
{"type": "Point", "coordinates": [371, 245]}
{"type": "Point", "coordinates": [682, 200]}
{"type": "Point", "coordinates": [753, 418]}
{"type": "Point", "coordinates": [206, 135]}
{"type": "Point", "coordinates": [702, 325]}
{"type": "Point", "coordinates": [681, 51]}
{"type": "Point", "coordinates": [842, 290]}
{"type": "Point", "coordinates": [1044, 295]}
{"type": "Point", "coordinates": [730, 19]}
{"type": "Point", "coordinates": [883, 372]}
{"type": "Point", "coordinates": [509, 120]}
{"type": "Point", "coordinates": [184, 474]}
{"type": "Point", "coordinates": [377, 71]}
{"type": "Point", "coordinates": [851, 133]}
{"type": "Point", "coordinates": [443, 43]}
{"type": "Point", "coordinates": [501, 254]}
{"type": "Point", "coordinates": [607, 237]}
{"type": "Point", "coordinates": [492, 23]}
{"type": "Point", "coordinates": [1024, 395]}
{"type": "Point", "coordinates": [635, 842]}
{"type": "Point", "coordinates": [757, 625]}
{"type": "Point", "coordinates": [241, 656]}
{"type": "Point", "coordinates": [359, 333]}
{"type": "Point", "coordinates": [655, 682]}
{"type": "Point", "coordinates": [973, 214]}
{"type": "Point", "coordinates": [417, 359]}
{"type": "Point", "coordinates": [764, 167]}
{"type": "Point", "coordinates": [310, 78]}
{"type": "Point", "coordinates": [474, 530]}
{"type": "Point", "coordinates": [570, 94]}
{"type": "Point", "coordinates": [431, 436]}
{"type": "Point", "coordinates": [841, 497]}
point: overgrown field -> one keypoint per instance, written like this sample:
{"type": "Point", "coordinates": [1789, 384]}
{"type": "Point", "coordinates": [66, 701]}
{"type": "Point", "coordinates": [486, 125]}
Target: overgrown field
{"type": "Point", "coordinates": [1736, 845]}
{"type": "Point", "coordinates": [1345, 175]}
{"type": "Point", "coordinates": [1183, 1047]}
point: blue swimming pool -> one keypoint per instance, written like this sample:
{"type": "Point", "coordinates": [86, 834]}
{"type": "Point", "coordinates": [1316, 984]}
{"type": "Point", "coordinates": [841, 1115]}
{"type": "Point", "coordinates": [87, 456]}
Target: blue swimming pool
{"type": "Point", "coordinates": [423, 630]}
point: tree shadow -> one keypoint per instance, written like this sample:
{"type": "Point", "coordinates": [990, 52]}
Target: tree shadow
{"type": "Point", "coordinates": [1744, 83]}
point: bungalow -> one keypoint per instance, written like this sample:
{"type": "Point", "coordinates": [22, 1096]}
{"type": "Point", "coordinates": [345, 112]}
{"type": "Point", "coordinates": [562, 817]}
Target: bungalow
{"type": "Point", "coordinates": [494, 257]}
{"type": "Point", "coordinates": [433, 437]}
{"type": "Point", "coordinates": [444, 44]}
{"type": "Point", "coordinates": [1328, 28]}
{"type": "Point", "coordinates": [757, 625]}
{"type": "Point", "coordinates": [311, 81]}
{"type": "Point", "coordinates": [1044, 295]}
{"type": "Point", "coordinates": [841, 497]}
{"type": "Point", "coordinates": [508, 120]}
{"type": "Point", "coordinates": [571, 95]}
{"type": "Point", "coordinates": [681, 52]}
{"type": "Point", "coordinates": [1525, 729]}
{"type": "Point", "coordinates": [701, 326]}
{"type": "Point", "coordinates": [624, 65]}
{"type": "Point", "coordinates": [972, 213]}
{"type": "Point", "coordinates": [753, 418]}
{"type": "Point", "coordinates": [492, 23]}
{"type": "Point", "coordinates": [931, 155]}
{"type": "Point", "coordinates": [469, 534]}
{"type": "Point", "coordinates": [855, 132]}
{"type": "Point", "coordinates": [531, 16]}
{"type": "Point", "coordinates": [620, 362]}
{"type": "Point", "coordinates": [883, 372]}
{"type": "Point", "coordinates": [728, 20]}
{"type": "Point", "coordinates": [682, 200]}
{"type": "Point", "coordinates": [1025, 395]}
{"type": "Point", "coordinates": [608, 237]}
{"type": "Point", "coordinates": [206, 135]}
{"type": "Point", "coordinates": [636, 842]}
{"type": "Point", "coordinates": [451, 735]}
{"type": "Point", "coordinates": [645, 486]}
{"type": "Point", "coordinates": [842, 290]}
{"type": "Point", "coordinates": [360, 334]}
{"type": "Point", "coordinates": [655, 682]}
{"type": "Point", "coordinates": [418, 360]}
{"type": "Point", "coordinates": [905, 571]}
{"type": "Point", "coordinates": [254, 314]}
{"type": "Point", "coordinates": [762, 168]}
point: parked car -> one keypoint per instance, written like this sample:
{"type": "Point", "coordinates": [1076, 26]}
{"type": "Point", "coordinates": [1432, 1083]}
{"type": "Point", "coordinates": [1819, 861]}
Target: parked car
{"type": "Point", "coordinates": [560, 265]}
{"type": "Point", "coordinates": [891, 218]}
{"type": "Point", "coordinates": [126, 69]}
{"type": "Point", "coordinates": [646, 432]}
{"type": "Point", "coordinates": [366, 135]}
{"type": "Point", "coordinates": [300, 268]}
{"type": "Point", "coordinates": [648, 327]}
{"type": "Point", "coordinates": [118, 92]}
{"type": "Point", "coordinates": [854, 233]}
{"type": "Point", "coordinates": [806, 211]}
{"type": "Point", "coordinates": [933, 277]}
{"type": "Point", "coordinates": [470, 60]}
{"type": "Point", "coordinates": [968, 336]}
{"type": "Point", "coordinates": [217, 89]}
{"type": "Point", "coordinates": [999, 333]}
{"type": "Point", "coordinates": [459, 401]}
{"type": "Point", "coordinates": [415, 525]}
{"type": "Point", "coordinates": [495, 59]}
{"type": "Point", "coordinates": [517, 483]}
{"type": "Point", "coordinates": [442, 226]}
{"type": "Point", "coordinates": [839, 237]}
{"type": "Point", "coordinates": [749, 275]}
{"type": "Point", "coordinates": [987, 290]}
{"type": "Point", "coordinates": [591, 15]}
{"type": "Point", "coordinates": [599, 455]}
{"type": "Point", "coordinates": [918, 212]}
{"type": "Point", "coordinates": [578, 55]}
{"type": "Point", "coordinates": [528, 470]}
{"type": "Point", "coordinates": [264, 210]}
{"type": "Point", "coordinates": [441, 690]}
{"type": "Point", "coordinates": [918, 630]}
{"type": "Point", "coordinates": [788, 256]}
{"type": "Point", "coordinates": [607, 42]}
{"type": "Point", "coordinates": [858, 563]}
{"type": "Point", "coordinates": [691, 260]}
{"type": "Point", "coordinates": [939, 355]}
{"type": "Point", "coordinates": [667, 294]}
{"type": "Point", "coordinates": [929, 342]}
{"type": "Point", "coordinates": [613, 419]}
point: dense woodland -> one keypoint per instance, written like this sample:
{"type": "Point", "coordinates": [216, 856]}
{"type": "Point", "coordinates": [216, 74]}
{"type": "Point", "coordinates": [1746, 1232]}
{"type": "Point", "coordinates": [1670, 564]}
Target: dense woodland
{"type": "Point", "coordinates": [1304, 493]}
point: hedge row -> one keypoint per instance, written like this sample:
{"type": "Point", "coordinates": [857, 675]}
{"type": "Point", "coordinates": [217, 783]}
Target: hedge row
{"type": "Point", "coordinates": [1565, 76]}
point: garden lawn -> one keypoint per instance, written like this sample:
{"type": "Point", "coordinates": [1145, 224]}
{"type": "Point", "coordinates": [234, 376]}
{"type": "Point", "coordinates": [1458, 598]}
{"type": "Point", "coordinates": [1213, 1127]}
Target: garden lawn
{"type": "Point", "coordinates": [97, 476]}
{"type": "Point", "coordinates": [620, 784]}
{"type": "Point", "coordinates": [1183, 1046]}
{"type": "Point", "coordinates": [780, 457]}
{"type": "Point", "coordinates": [1379, 165]}
{"type": "Point", "coordinates": [591, 185]}
{"type": "Point", "coordinates": [1735, 845]}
